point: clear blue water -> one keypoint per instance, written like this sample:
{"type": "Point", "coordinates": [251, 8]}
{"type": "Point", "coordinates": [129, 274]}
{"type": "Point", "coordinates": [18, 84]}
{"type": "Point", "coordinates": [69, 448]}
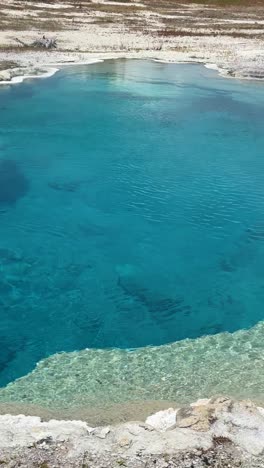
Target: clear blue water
{"type": "Point", "coordinates": [131, 209]}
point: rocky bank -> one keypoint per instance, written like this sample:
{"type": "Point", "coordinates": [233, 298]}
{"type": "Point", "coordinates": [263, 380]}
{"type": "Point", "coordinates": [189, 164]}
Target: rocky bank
{"type": "Point", "coordinates": [219, 432]}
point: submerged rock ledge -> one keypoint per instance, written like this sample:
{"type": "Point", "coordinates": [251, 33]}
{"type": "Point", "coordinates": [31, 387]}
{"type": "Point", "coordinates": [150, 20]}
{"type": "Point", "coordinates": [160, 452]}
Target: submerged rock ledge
{"type": "Point", "coordinates": [181, 372]}
{"type": "Point", "coordinates": [219, 432]}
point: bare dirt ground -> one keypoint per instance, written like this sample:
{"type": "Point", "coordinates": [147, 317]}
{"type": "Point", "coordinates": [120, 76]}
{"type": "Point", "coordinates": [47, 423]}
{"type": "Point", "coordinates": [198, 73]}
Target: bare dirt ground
{"type": "Point", "coordinates": [162, 18]}
{"type": "Point", "coordinates": [229, 33]}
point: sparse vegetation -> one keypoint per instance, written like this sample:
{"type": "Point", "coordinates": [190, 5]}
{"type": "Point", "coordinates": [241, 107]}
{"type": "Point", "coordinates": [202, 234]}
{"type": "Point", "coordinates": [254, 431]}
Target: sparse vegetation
{"type": "Point", "coordinates": [220, 440]}
{"type": "Point", "coordinates": [121, 462]}
{"type": "Point", "coordinates": [237, 3]}
{"type": "Point", "coordinates": [7, 64]}
{"type": "Point", "coordinates": [168, 18]}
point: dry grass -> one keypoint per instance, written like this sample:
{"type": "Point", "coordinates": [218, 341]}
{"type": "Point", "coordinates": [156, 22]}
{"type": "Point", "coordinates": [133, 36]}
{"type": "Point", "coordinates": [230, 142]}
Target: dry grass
{"type": "Point", "coordinates": [232, 3]}
{"type": "Point", "coordinates": [213, 3]}
{"type": "Point", "coordinates": [209, 33]}
{"type": "Point", "coordinates": [204, 19]}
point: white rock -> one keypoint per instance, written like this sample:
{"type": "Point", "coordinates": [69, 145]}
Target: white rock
{"type": "Point", "coordinates": [163, 420]}
{"type": "Point", "coordinates": [261, 410]}
{"type": "Point", "coordinates": [250, 441]}
{"type": "Point", "coordinates": [5, 75]}
{"type": "Point", "coordinates": [22, 430]}
{"type": "Point", "coordinates": [243, 424]}
{"type": "Point", "coordinates": [102, 433]}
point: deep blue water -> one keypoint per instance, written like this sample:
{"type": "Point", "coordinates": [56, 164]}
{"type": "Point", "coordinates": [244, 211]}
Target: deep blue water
{"type": "Point", "coordinates": [131, 209]}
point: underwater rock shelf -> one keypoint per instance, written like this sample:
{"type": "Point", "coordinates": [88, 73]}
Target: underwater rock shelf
{"type": "Point", "coordinates": [180, 372]}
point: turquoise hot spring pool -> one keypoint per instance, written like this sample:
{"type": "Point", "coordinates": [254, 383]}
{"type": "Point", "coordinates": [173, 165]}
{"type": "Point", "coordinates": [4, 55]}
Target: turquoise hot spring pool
{"type": "Point", "coordinates": [131, 209]}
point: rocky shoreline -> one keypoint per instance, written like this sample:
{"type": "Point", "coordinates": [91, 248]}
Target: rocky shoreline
{"type": "Point", "coordinates": [248, 65]}
{"type": "Point", "coordinates": [219, 432]}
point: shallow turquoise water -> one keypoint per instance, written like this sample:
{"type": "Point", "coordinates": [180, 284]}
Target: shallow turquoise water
{"type": "Point", "coordinates": [131, 209]}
